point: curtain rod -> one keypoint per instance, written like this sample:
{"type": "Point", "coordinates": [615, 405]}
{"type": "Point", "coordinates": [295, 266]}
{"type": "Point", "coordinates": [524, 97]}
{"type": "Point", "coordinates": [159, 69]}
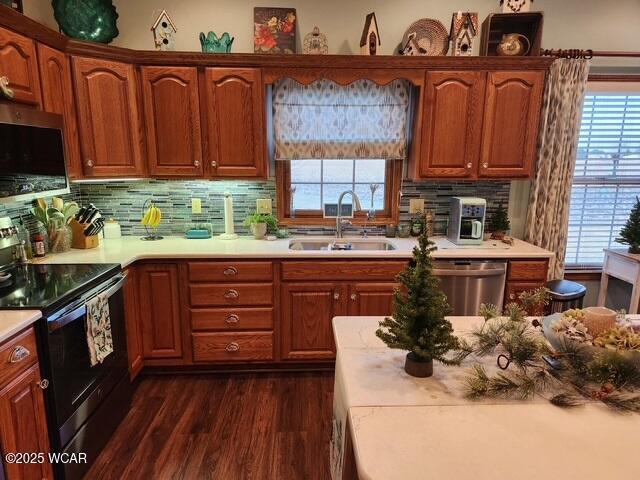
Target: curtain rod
{"type": "Point", "coordinates": [578, 53]}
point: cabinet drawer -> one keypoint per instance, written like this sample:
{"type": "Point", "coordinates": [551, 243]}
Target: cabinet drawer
{"type": "Point", "coordinates": [232, 319]}
{"type": "Point", "coordinates": [247, 294]}
{"type": "Point", "coordinates": [232, 346]}
{"type": "Point", "coordinates": [17, 354]}
{"type": "Point", "coordinates": [329, 270]}
{"type": "Point", "coordinates": [527, 270]}
{"type": "Point", "coordinates": [230, 271]}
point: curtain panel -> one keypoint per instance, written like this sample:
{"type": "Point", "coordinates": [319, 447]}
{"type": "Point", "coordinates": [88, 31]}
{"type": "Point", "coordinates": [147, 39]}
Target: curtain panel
{"type": "Point", "coordinates": [325, 120]}
{"type": "Point", "coordinates": [548, 216]}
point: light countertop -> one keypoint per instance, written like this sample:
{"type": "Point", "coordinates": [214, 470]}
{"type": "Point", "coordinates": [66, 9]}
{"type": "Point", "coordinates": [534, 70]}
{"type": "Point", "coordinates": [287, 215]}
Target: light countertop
{"type": "Point", "coordinates": [127, 250]}
{"type": "Point", "coordinates": [13, 321]}
{"type": "Point", "coordinates": [410, 428]}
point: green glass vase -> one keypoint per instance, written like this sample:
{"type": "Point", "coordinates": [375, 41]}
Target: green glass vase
{"type": "Point", "coordinates": [93, 20]}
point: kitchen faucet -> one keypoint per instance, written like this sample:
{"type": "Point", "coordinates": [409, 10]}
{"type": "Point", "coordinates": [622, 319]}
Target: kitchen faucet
{"type": "Point", "coordinates": [356, 206]}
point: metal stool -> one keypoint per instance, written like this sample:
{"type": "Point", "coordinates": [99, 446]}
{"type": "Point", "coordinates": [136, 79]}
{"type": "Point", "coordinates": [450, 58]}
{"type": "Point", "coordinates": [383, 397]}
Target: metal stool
{"type": "Point", "coordinates": [565, 295]}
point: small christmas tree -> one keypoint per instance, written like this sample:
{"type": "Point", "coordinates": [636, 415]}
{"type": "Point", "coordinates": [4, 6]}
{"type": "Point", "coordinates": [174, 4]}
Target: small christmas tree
{"type": "Point", "coordinates": [418, 324]}
{"type": "Point", "coordinates": [630, 233]}
{"type": "Point", "coordinates": [500, 222]}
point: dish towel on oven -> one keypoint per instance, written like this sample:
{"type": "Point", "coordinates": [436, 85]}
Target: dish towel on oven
{"type": "Point", "coordinates": [99, 337]}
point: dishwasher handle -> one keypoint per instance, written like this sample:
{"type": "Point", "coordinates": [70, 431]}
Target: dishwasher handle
{"type": "Point", "coordinates": [490, 272]}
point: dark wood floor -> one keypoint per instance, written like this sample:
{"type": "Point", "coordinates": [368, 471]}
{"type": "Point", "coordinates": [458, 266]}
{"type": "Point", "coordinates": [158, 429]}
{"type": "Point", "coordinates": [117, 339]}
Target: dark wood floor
{"type": "Point", "coordinates": [235, 426]}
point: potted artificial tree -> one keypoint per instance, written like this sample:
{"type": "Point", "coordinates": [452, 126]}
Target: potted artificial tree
{"type": "Point", "coordinates": [500, 224]}
{"type": "Point", "coordinates": [261, 224]}
{"type": "Point", "coordinates": [630, 233]}
{"type": "Point", "coordinates": [418, 324]}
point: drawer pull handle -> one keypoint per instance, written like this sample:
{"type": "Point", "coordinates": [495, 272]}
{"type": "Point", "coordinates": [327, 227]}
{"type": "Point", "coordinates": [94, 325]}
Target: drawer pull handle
{"type": "Point", "coordinates": [232, 347]}
{"type": "Point", "coordinates": [19, 353]}
{"type": "Point", "coordinates": [233, 318]}
{"type": "Point", "coordinates": [230, 271]}
{"type": "Point", "coordinates": [231, 294]}
{"type": "Point", "coordinates": [43, 384]}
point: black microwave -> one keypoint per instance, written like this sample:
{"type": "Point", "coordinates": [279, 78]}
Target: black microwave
{"type": "Point", "coordinates": [32, 157]}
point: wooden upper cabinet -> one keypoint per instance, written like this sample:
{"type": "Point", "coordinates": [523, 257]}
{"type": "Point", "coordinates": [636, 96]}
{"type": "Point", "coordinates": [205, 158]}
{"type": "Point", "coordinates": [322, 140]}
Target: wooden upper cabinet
{"type": "Point", "coordinates": [234, 111]}
{"type": "Point", "coordinates": [172, 120]}
{"type": "Point", "coordinates": [511, 123]}
{"type": "Point", "coordinates": [19, 63]}
{"type": "Point", "coordinates": [110, 136]}
{"type": "Point", "coordinates": [57, 97]}
{"type": "Point", "coordinates": [452, 124]}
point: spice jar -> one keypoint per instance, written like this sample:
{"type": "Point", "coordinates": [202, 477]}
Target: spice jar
{"type": "Point", "coordinates": [38, 246]}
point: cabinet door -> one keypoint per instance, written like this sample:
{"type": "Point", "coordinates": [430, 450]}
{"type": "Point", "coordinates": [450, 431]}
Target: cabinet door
{"type": "Point", "coordinates": [511, 118]}
{"type": "Point", "coordinates": [160, 311]}
{"type": "Point", "coordinates": [132, 320]}
{"type": "Point", "coordinates": [307, 311]}
{"type": "Point", "coordinates": [234, 111]}
{"type": "Point", "coordinates": [371, 299]}
{"type": "Point", "coordinates": [19, 63]}
{"type": "Point", "coordinates": [109, 119]}
{"type": "Point", "coordinates": [57, 97]}
{"type": "Point", "coordinates": [452, 119]}
{"type": "Point", "coordinates": [23, 425]}
{"type": "Point", "coordinates": [172, 120]}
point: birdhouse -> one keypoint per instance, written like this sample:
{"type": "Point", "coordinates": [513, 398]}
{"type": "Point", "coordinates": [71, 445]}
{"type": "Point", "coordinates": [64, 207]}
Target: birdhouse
{"type": "Point", "coordinates": [370, 39]}
{"type": "Point", "coordinates": [516, 6]}
{"type": "Point", "coordinates": [464, 28]}
{"type": "Point", "coordinates": [163, 32]}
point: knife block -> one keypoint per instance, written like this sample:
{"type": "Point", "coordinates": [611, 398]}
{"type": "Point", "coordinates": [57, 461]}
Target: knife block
{"type": "Point", "coordinates": [79, 240]}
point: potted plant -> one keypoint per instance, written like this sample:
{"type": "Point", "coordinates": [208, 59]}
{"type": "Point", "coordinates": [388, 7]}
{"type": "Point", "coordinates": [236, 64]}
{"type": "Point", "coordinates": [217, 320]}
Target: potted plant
{"type": "Point", "coordinates": [630, 233]}
{"type": "Point", "coordinates": [500, 224]}
{"type": "Point", "coordinates": [56, 219]}
{"type": "Point", "coordinates": [261, 224]}
{"type": "Point", "coordinates": [418, 324]}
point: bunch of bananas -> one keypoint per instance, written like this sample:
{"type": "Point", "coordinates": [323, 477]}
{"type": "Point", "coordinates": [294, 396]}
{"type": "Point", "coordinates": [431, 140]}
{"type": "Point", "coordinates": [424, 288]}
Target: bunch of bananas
{"type": "Point", "coordinates": [152, 217]}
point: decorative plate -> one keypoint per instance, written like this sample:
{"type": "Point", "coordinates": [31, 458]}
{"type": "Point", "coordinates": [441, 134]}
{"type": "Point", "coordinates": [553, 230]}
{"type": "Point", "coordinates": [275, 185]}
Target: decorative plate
{"type": "Point", "coordinates": [430, 36]}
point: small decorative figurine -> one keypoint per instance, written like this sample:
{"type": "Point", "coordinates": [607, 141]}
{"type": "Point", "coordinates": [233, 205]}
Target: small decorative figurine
{"type": "Point", "coordinates": [274, 30]}
{"type": "Point", "coordinates": [315, 43]}
{"type": "Point", "coordinates": [370, 39]}
{"type": "Point", "coordinates": [464, 28]}
{"type": "Point", "coordinates": [163, 32]}
{"type": "Point", "coordinates": [516, 6]}
{"type": "Point", "coordinates": [212, 44]}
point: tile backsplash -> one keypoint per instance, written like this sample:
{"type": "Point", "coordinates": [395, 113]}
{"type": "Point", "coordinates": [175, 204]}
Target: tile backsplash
{"type": "Point", "coordinates": [124, 200]}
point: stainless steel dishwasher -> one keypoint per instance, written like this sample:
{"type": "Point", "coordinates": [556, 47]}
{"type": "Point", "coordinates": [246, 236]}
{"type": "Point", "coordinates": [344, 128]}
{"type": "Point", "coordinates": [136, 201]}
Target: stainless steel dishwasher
{"type": "Point", "coordinates": [468, 284]}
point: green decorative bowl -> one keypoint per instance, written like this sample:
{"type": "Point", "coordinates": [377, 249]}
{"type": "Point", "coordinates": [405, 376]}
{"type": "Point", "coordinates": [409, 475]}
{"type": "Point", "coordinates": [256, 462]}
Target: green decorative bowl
{"type": "Point", "coordinates": [93, 20]}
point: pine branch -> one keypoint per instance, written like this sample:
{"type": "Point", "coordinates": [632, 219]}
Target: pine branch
{"type": "Point", "coordinates": [567, 400]}
{"type": "Point", "coordinates": [623, 402]}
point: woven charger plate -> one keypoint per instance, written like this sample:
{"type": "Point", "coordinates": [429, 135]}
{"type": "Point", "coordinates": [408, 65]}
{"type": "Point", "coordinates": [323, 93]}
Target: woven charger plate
{"type": "Point", "coordinates": [430, 35]}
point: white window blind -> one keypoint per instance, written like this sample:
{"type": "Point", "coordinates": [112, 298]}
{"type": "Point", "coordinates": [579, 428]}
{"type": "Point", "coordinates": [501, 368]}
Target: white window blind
{"type": "Point", "coordinates": [607, 175]}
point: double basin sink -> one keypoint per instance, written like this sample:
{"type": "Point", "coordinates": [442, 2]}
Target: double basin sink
{"type": "Point", "coordinates": [341, 245]}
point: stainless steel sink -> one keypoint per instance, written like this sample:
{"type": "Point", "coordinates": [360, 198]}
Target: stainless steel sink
{"type": "Point", "coordinates": [341, 245]}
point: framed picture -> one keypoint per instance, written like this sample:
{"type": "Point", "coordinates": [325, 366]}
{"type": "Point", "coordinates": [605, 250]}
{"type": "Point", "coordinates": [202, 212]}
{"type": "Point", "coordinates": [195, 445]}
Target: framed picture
{"type": "Point", "coordinates": [274, 30]}
{"type": "Point", "coordinates": [15, 4]}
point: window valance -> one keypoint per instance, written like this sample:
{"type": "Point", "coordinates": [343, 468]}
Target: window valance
{"type": "Point", "coordinates": [325, 120]}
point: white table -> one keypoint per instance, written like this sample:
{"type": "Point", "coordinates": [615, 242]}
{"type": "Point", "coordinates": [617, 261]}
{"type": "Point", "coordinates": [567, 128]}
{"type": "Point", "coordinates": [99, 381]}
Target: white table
{"type": "Point", "coordinates": [388, 425]}
{"type": "Point", "coordinates": [625, 266]}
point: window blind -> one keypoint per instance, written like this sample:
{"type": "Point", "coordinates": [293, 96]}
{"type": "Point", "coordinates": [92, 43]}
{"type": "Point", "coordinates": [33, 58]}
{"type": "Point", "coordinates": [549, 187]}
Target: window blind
{"type": "Point", "coordinates": [607, 175]}
{"type": "Point", "coordinates": [325, 120]}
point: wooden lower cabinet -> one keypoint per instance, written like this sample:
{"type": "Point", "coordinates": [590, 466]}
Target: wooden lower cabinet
{"type": "Point", "coordinates": [160, 316]}
{"type": "Point", "coordinates": [23, 423]}
{"type": "Point", "coordinates": [371, 299]}
{"type": "Point", "coordinates": [132, 320]}
{"type": "Point", "coordinates": [306, 313]}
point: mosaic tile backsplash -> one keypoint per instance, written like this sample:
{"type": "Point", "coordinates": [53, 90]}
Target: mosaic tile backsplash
{"type": "Point", "coordinates": [124, 200]}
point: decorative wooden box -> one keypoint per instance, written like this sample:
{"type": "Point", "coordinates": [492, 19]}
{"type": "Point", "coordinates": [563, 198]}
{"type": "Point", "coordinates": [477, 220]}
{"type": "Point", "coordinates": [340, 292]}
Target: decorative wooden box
{"type": "Point", "coordinates": [79, 239]}
{"type": "Point", "coordinates": [495, 25]}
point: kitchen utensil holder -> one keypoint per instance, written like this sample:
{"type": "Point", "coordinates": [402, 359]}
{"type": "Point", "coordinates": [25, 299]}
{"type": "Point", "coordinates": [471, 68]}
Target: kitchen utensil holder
{"type": "Point", "coordinates": [79, 239]}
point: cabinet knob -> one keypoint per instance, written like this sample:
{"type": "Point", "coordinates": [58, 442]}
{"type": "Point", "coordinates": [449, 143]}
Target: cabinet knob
{"type": "Point", "coordinates": [336, 296]}
{"type": "Point", "coordinates": [196, 163]}
{"type": "Point", "coordinates": [214, 164]}
{"type": "Point", "coordinates": [354, 297]}
{"type": "Point", "coordinates": [512, 296]}
{"type": "Point", "coordinates": [19, 353]}
{"type": "Point", "coordinates": [232, 347]}
{"type": "Point", "coordinates": [232, 319]}
{"type": "Point", "coordinates": [485, 165]}
{"type": "Point", "coordinates": [43, 384]}
{"type": "Point", "coordinates": [231, 294]}
{"type": "Point", "coordinates": [89, 163]}
{"type": "Point", "coordinates": [469, 165]}
{"type": "Point", "coordinates": [4, 88]}
{"type": "Point", "coordinates": [230, 271]}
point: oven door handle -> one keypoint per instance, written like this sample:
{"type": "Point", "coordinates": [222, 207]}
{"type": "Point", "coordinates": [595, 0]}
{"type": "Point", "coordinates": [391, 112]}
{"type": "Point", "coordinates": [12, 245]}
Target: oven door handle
{"type": "Point", "coordinates": [82, 309]}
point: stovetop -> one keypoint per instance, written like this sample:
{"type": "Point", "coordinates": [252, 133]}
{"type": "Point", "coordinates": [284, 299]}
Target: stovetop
{"type": "Point", "coordinates": [48, 287]}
